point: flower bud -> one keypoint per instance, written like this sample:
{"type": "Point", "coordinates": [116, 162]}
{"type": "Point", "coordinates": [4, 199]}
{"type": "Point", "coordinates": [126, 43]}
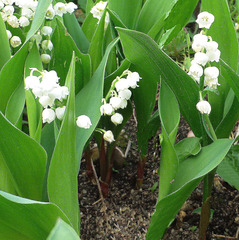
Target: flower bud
{"type": "Point", "coordinates": [204, 107]}
{"type": "Point", "coordinates": [46, 58]}
{"type": "Point", "coordinates": [9, 34]}
{"type": "Point", "coordinates": [46, 31]}
{"type": "Point", "coordinates": [48, 115]}
{"type": "Point", "coordinates": [83, 121]}
{"type": "Point", "coordinates": [117, 118]}
{"type": "Point", "coordinates": [47, 45]}
{"type": "Point", "coordinates": [23, 21]}
{"type": "Point", "coordinates": [15, 41]}
{"type": "Point", "coordinates": [108, 136]}
{"type": "Point", "coordinates": [60, 112]}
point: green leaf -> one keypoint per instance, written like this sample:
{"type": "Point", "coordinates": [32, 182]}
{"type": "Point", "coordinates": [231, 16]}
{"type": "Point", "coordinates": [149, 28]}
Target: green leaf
{"type": "Point", "coordinates": [34, 108]}
{"type": "Point", "coordinates": [74, 29]}
{"type": "Point", "coordinates": [96, 45]}
{"type": "Point", "coordinates": [144, 53]}
{"type": "Point", "coordinates": [62, 231]}
{"type": "Point", "coordinates": [63, 48]}
{"type": "Point", "coordinates": [127, 11]}
{"type": "Point", "coordinates": [5, 53]}
{"type": "Point", "coordinates": [189, 174]}
{"type": "Point", "coordinates": [39, 17]}
{"type": "Point", "coordinates": [188, 147]}
{"type": "Point", "coordinates": [24, 159]}
{"type": "Point", "coordinates": [88, 102]}
{"type": "Point", "coordinates": [24, 219]}
{"type": "Point", "coordinates": [229, 167]}
{"type": "Point", "coordinates": [14, 78]}
{"type": "Point", "coordinates": [170, 117]}
{"type": "Point", "coordinates": [231, 77]}
{"type": "Point", "coordinates": [62, 176]}
{"type": "Point", "coordinates": [152, 12]}
{"type": "Point", "coordinates": [16, 104]}
{"type": "Point", "coordinates": [89, 26]}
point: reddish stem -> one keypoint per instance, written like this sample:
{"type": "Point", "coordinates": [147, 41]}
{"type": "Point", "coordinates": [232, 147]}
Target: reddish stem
{"type": "Point", "coordinates": [140, 171]}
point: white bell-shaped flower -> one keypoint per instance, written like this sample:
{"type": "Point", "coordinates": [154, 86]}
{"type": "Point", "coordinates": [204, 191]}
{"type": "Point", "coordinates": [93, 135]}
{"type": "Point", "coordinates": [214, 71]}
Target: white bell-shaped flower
{"type": "Point", "coordinates": [13, 21]}
{"type": "Point", "coordinates": [199, 42]}
{"type": "Point", "coordinates": [46, 31]}
{"type": "Point", "coordinates": [214, 55]}
{"type": "Point", "coordinates": [108, 136]}
{"type": "Point", "coordinates": [60, 112]}
{"type": "Point", "coordinates": [201, 58]}
{"type": "Point", "coordinates": [60, 9]}
{"type": "Point", "coordinates": [47, 45]}
{"type": "Point", "coordinates": [71, 7]}
{"type": "Point", "coordinates": [48, 115]}
{"type": "Point", "coordinates": [195, 71]}
{"type": "Point", "coordinates": [117, 118]}
{"type": "Point", "coordinates": [204, 107]}
{"type": "Point", "coordinates": [122, 84]}
{"type": "Point", "coordinates": [125, 94]}
{"type": "Point", "coordinates": [133, 78]}
{"type": "Point", "coordinates": [50, 13]}
{"type": "Point", "coordinates": [115, 102]}
{"type": "Point", "coordinates": [205, 20]}
{"type": "Point", "coordinates": [32, 82]}
{"type": "Point", "coordinates": [15, 41]}
{"type": "Point", "coordinates": [46, 101]}
{"type": "Point", "coordinates": [106, 109]}
{"type": "Point", "coordinates": [83, 121]}
{"type": "Point", "coordinates": [23, 21]}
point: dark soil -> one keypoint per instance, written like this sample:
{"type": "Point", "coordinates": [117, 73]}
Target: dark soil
{"type": "Point", "coordinates": [125, 214]}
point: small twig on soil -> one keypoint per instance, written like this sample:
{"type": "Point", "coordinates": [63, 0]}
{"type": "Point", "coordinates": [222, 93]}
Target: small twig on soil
{"type": "Point", "coordinates": [99, 189]}
{"type": "Point", "coordinates": [225, 237]}
{"type": "Point", "coordinates": [127, 149]}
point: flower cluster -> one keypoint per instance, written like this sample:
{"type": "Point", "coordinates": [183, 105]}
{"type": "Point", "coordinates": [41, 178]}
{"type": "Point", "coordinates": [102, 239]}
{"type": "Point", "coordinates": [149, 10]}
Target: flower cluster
{"type": "Point", "coordinates": [98, 9]}
{"type": "Point", "coordinates": [26, 9]}
{"type": "Point", "coordinates": [206, 51]}
{"type": "Point", "coordinates": [117, 99]}
{"type": "Point", "coordinates": [46, 87]}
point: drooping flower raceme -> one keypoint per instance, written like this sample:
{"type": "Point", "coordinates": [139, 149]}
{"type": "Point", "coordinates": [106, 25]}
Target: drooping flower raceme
{"type": "Point", "coordinates": [47, 89]}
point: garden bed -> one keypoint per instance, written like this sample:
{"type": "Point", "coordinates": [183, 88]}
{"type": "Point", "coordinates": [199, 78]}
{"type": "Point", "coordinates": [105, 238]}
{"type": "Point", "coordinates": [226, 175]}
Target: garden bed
{"type": "Point", "coordinates": [125, 214]}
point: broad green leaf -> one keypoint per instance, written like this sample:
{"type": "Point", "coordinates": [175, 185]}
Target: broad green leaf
{"type": "Point", "coordinates": [152, 12]}
{"type": "Point", "coordinates": [88, 102]}
{"type": "Point", "coordinates": [24, 219]}
{"type": "Point", "coordinates": [229, 167]}
{"type": "Point", "coordinates": [96, 44]}
{"type": "Point", "coordinates": [89, 26]}
{"type": "Point", "coordinates": [5, 53]}
{"type": "Point", "coordinates": [62, 176]}
{"type": "Point", "coordinates": [144, 53]}
{"type": "Point", "coordinates": [11, 75]}
{"type": "Point", "coordinates": [63, 48]}
{"type": "Point", "coordinates": [187, 147]}
{"type": "Point", "coordinates": [144, 98]}
{"type": "Point", "coordinates": [24, 159]}
{"type": "Point", "coordinates": [178, 18]}
{"type": "Point", "coordinates": [16, 104]}
{"type": "Point", "coordinates": [74, 29]}
{"type": "Point", "coordinates": [189, 174]}
{"type": "Point", "coordinates": [170, 117]}
{"type": "Point", "coordinates": [231, 77]}
{"type": "Point", "coordinates": [39, 17]}
{"type": "Point", "coordinates": [223, 32]}
{"type": "Point", "coordinates": [62, 231]}
{"type": "Point", "coordinates": [127, 11]}
{"type": "Point", "coordinates": [34, 108]}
